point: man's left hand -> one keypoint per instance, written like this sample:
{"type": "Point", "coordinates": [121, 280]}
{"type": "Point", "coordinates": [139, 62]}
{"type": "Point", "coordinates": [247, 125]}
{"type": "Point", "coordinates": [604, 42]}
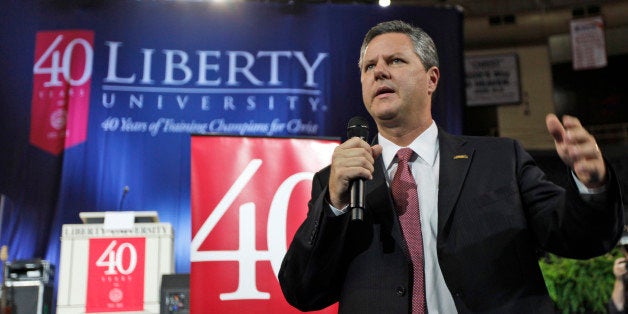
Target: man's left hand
{"type": "Point", "coordinates": [578, 149]}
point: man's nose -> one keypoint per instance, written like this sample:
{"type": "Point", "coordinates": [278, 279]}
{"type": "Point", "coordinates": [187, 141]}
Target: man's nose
{"type": "Point", "coordinates": [381, 71]}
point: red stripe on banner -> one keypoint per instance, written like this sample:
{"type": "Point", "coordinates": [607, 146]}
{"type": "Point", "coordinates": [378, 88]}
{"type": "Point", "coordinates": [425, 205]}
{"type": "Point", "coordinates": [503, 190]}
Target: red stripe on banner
{"type": "Point", "coordinates": [249, 196]}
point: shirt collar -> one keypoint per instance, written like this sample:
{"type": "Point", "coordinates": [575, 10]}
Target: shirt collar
{"type": "Point", "coordinates": [425, 146]}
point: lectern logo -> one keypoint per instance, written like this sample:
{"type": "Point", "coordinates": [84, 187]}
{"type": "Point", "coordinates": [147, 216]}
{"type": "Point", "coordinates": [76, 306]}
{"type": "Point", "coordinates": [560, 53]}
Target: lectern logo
{"type": "Point", "coordinates": [62, 74]}
{"type": "Point", "coordinates": [116, 295]}
{"type": "Point", "coordinates": [115, 279]}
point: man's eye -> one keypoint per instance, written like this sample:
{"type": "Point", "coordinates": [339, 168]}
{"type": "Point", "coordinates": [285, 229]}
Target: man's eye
{"type": "Point", "coordinates": [369, 67]}
{"type": "Point", "coordinates": [397, 60]}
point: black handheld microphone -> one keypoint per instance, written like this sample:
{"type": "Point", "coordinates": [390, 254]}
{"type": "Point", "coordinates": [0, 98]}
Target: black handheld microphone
{"type": "Point", "coordinates": [357, 127]}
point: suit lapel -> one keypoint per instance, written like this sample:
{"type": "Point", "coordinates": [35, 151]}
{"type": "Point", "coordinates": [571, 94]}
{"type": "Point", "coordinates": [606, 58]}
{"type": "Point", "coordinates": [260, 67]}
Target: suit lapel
{"type": "Point", "coordinates": [377, 193]}
{"type": "Point", "coordinates": [379, 203]}
{"type": "Point", "coordinates": [455, 158]}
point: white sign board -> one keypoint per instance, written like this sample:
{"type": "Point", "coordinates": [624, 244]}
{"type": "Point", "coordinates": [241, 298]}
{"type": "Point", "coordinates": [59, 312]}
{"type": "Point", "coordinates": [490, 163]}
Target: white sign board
{"type": "Point", "coordinates": [492, 80]}
{"type": "Point", "coordinates": [588, 44]}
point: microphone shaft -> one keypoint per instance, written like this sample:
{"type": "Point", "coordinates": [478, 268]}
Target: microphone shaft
{"type": "Point", "coordinates": [357, 127]}
{"type": "Point", "coordinates": [357, 199]}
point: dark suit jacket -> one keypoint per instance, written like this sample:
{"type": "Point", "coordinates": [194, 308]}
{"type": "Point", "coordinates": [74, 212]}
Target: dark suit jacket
{"type": "Point", "coordinates": [496, 211]}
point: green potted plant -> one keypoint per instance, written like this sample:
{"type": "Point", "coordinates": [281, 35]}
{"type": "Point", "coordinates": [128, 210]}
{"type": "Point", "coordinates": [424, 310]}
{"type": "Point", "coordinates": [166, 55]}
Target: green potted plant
{"type": "Point", "coordinates": [579, 286]}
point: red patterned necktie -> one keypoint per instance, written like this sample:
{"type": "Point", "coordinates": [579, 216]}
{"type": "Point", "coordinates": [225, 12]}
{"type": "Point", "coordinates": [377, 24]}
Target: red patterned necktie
{"type": "Point", "coordinates": [404, 191]}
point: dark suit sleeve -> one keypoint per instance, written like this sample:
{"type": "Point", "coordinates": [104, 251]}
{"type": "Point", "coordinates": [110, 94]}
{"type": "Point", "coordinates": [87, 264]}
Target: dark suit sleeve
{"type": "Point", "coordinates": [312, 270]}
{"type": "Point", "coordinates": [562, 220]}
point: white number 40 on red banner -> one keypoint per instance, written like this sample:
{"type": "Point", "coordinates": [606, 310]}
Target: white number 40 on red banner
{"type": "Point", "coordinates": [249, 195]}
{"type": "Point", "coordinates": [115, 278]}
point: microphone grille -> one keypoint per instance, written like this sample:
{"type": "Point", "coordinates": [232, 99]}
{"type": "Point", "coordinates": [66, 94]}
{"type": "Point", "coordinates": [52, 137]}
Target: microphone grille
{"type": "Point", "coordinates": [358, 127]}
{"type": "Point", "coordinates": [358, 121]}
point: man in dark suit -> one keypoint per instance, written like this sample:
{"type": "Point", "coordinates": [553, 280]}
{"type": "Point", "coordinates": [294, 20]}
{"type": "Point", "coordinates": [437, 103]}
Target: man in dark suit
{"type": "Point", "coordinates": [484, 208]}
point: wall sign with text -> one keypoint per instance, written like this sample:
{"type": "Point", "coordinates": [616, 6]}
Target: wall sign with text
{"type": "Point", "coordinates": [588, 43]}
{"type": "Point", "coordinates": [492, 80]}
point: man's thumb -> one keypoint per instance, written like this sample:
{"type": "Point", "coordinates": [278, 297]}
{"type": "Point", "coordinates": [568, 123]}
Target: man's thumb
{"type": "Point", "coordinates": [555, 128]}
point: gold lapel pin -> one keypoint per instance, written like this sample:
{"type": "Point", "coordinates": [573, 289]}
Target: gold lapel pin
{"type": "Point", "coordinates": [461, 157]}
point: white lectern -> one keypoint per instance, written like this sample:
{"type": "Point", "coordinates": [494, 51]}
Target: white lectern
{"type": "Point", "coordinates": [100, 270]}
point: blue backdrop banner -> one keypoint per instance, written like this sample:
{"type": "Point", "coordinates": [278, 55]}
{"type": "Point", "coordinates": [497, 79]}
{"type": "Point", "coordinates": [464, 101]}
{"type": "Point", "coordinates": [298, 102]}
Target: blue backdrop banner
{"type": "Point", "coordinates": [97, 96]}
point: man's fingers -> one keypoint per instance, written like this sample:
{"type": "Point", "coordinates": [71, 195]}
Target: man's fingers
{"type": "Point", "coordinates": [578, 149]}
{"type": "Point", "coordinates": [351, 160]}
{"type": "Point", "coordinates": [579, 135]}
{"type": "Point", "coordinates": [360, 167]}
{"type": "Point", "coordinates": [584, 151]}
{"type": "Point", "coordinates": [571, 122]}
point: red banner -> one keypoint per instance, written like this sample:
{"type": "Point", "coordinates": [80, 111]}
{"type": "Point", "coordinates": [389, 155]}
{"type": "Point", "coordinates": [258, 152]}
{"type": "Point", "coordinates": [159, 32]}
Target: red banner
{"type": "Point", "coordinates": [249, 196]}
{"type": "Point", "coordinates": [62, 74]}
{"type": "Point", "coordinates": [115, 278]}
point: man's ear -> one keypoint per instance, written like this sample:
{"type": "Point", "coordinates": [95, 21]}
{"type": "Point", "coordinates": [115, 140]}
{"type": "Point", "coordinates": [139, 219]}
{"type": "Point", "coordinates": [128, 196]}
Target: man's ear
{"type": "Point", "coordinates": [433, 75]}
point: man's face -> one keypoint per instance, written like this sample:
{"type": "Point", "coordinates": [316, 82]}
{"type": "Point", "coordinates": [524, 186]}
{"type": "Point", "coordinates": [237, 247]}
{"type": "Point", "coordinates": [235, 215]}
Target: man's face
{"type": "Point", "coordinates": [395, 85]}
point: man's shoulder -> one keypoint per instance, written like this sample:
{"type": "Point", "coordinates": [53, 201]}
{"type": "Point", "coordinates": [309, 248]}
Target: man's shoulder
{"type": "Point", "coordinates": [488, 140]}
{"type": "Point", "coordinates": [486, 146]}
{"type": "Point", "coordinates": [479, 140]}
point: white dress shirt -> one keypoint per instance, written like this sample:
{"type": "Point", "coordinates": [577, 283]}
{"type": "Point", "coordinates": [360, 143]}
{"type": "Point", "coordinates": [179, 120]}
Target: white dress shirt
{"type": "Point", "coordinates": [425, 166]}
